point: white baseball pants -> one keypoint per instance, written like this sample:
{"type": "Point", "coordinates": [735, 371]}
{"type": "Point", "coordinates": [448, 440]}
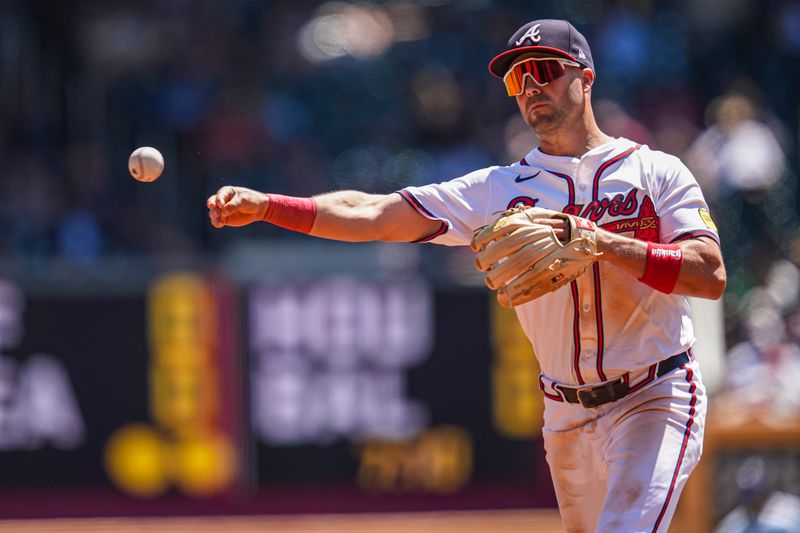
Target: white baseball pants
{"type": "Point", "coordinates": [620, 468]}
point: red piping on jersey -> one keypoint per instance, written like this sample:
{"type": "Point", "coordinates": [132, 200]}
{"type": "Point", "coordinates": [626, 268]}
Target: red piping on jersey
{"type": "Point", "coordinates": [411, 199]}
{"type": "Point", "coordinates": [685, 443]}
{"type": "Point", "coordinates": [419, 208]}
{"type": "Point", "coordinates": [441, 231]}
{"type": "Point", "coordinates": [554, 397]}
{"type": "Point", "coordinates": [651, 374]}
{"type": "Point", "coordinates": [597, 292]}
{"type": "Point", "coordinates": [623, 155]}
{"type": "Point", "coordinates": [576, 331]}
{"type": "Point", "coordinates": [693, 234]}
{"type": "Point", "coordinates": [570, 185]}
{"type": "Point", "coordinates": [598, 302]}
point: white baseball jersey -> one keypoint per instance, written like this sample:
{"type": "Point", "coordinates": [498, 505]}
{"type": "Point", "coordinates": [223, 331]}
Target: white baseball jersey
{"type": "Point", "coordinates": [606, 322]}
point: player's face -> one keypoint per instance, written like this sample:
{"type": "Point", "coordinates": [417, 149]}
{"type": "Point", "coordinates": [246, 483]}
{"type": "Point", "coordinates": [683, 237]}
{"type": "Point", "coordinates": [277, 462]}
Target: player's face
{"type": "Point", "coordinates": [547, 108]}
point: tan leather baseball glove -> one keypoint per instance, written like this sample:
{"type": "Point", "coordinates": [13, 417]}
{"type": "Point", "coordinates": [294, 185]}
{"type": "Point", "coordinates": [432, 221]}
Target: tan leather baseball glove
{"type": "Point", "coordinates": [524, 260]}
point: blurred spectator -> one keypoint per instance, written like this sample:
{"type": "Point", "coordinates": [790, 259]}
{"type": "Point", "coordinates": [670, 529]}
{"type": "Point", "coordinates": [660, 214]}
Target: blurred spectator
{"type": "Point", "coordinates": [788, 19]}
{"type": "Point", "coordinates": [613, 119]}
{"type": "Point", "coordinates": [740, 163]}
{"type": "Point", "coordinates": [308, 96]}
{"type": "Point", "coordinates": [79, 238]}
{"type": "Point", "coordinates": [763, 370]}
{"type": "Point", "coordinates": [763, 509]}
{"type": "Point", "coordinates": [738, 152]}
{"type": "Point", "coordinates": [625, 37]}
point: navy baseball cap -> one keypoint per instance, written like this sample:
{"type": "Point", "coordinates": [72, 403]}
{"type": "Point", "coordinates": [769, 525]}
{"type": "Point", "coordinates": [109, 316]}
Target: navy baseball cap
{"type": "Point", "coordinates": [553, 37]}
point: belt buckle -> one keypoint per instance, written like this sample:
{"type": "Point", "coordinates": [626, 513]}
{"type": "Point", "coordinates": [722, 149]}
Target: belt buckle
{"type": "Point", "coordinates": [589, 396]}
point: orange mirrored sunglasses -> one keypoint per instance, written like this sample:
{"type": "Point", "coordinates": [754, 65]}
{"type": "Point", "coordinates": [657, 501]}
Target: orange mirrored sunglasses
{"type": "Point", "coordinates": [542, 70]}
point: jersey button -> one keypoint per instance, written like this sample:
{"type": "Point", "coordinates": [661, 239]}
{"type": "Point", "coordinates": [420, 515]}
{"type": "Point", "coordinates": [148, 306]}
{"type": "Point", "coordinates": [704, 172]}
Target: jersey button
{"type": "Point", "coordinates": [586, 308]}
{"type": "Point", "coordinates": [582, 186]}
{"type": "Point", "coordinates": [586, 355]}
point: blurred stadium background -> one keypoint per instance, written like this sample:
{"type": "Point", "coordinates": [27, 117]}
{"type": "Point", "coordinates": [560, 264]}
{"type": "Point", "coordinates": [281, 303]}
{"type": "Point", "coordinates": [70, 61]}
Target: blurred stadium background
{"type": "Point", "coordinates": [151, 366]}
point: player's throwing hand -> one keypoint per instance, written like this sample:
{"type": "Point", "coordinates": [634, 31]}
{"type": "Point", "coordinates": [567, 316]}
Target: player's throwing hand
{"type": "Point", "coordinates": [236, 206]}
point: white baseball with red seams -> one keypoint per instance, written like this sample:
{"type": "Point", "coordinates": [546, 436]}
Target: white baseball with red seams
{"type": "Point", "coordinates": [604, 325]}
{"type": "Point", "coordinates": [146, 164]}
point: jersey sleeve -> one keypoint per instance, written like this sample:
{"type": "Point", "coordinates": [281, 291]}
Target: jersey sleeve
{"type": "Point", "coordinates": [460, 205]}
{"type": "Point", "coordinates": [680, 204]}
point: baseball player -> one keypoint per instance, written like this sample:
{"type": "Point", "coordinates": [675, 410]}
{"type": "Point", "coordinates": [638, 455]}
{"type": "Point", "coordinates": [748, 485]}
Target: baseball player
{"type": "Point", "coordinates": [625, 405]}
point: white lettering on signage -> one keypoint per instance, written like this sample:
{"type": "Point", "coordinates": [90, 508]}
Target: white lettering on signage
{"type": "Point", "coordinates": [330, 359]}
{"type": "Point", "coordinates": [37, 403]}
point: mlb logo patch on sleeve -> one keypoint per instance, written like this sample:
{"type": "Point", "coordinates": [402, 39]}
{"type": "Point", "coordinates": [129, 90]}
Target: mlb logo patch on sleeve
{"type": "Point", "coordinates": [706, 216]}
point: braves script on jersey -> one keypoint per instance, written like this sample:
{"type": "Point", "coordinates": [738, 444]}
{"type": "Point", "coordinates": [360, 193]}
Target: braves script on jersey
{"type": "Point", "coordinates": [606, 322]}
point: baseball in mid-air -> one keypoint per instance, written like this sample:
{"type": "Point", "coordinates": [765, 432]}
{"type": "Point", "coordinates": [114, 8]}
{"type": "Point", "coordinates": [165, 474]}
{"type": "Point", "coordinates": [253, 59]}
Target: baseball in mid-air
{"type": "Point", "coordinates": [146, 164]}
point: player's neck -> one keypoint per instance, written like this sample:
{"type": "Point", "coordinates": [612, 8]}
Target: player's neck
{"type": "Point", "coordinates": [575, 139]}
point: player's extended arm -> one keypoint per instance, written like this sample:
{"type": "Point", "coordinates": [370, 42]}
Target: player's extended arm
{"type": "Point", "coordinates": [702, 272]}
{"type": "Point", "coordinates": [343, 215]}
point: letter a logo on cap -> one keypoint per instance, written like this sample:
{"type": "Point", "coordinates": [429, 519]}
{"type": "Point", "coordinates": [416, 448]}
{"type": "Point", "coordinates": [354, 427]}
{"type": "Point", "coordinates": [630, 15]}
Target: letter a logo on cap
{"type": "Point", "coordinates": [532, 34]}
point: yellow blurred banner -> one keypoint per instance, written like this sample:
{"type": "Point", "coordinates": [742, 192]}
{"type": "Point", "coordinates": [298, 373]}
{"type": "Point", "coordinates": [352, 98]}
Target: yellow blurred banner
{"type": "Point", "coordinates": [185, 446]}
{"type": "Point", "coordinates": [517, 404]}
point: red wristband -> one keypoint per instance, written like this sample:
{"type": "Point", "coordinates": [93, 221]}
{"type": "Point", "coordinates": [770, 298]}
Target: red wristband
{"type": "Point", "coordinates": [663, 266]}
{"type": "Point", "coordinates": [290, 212]}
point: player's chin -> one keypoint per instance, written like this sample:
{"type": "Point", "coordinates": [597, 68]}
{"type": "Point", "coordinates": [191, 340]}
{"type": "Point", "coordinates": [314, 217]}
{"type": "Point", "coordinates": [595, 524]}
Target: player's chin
{"type": "Point", "coordinates": [540, 122]}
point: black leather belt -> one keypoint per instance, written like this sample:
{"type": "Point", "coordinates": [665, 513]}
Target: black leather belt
{"type": "Point", "coordinates": [614, 390]}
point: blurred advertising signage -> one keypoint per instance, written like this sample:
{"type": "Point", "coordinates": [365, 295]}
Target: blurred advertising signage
{"type": "Point", "coordinates": [330, 363]}
{"type": "Point", "coordinates": [517, 402]}
{"type": "Point", "coordinates": [191, 443]}
{"type": "Point", "coordinates": [38, 408]}
{"type": "Point", "coordinates": [438, 460]}
{"type": "Point", "coordinates": [329, 359]}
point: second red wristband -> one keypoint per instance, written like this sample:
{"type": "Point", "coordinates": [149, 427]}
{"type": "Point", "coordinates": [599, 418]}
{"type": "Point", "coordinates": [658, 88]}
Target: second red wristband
{"type": "Point", "coordinates": [663, 266]}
